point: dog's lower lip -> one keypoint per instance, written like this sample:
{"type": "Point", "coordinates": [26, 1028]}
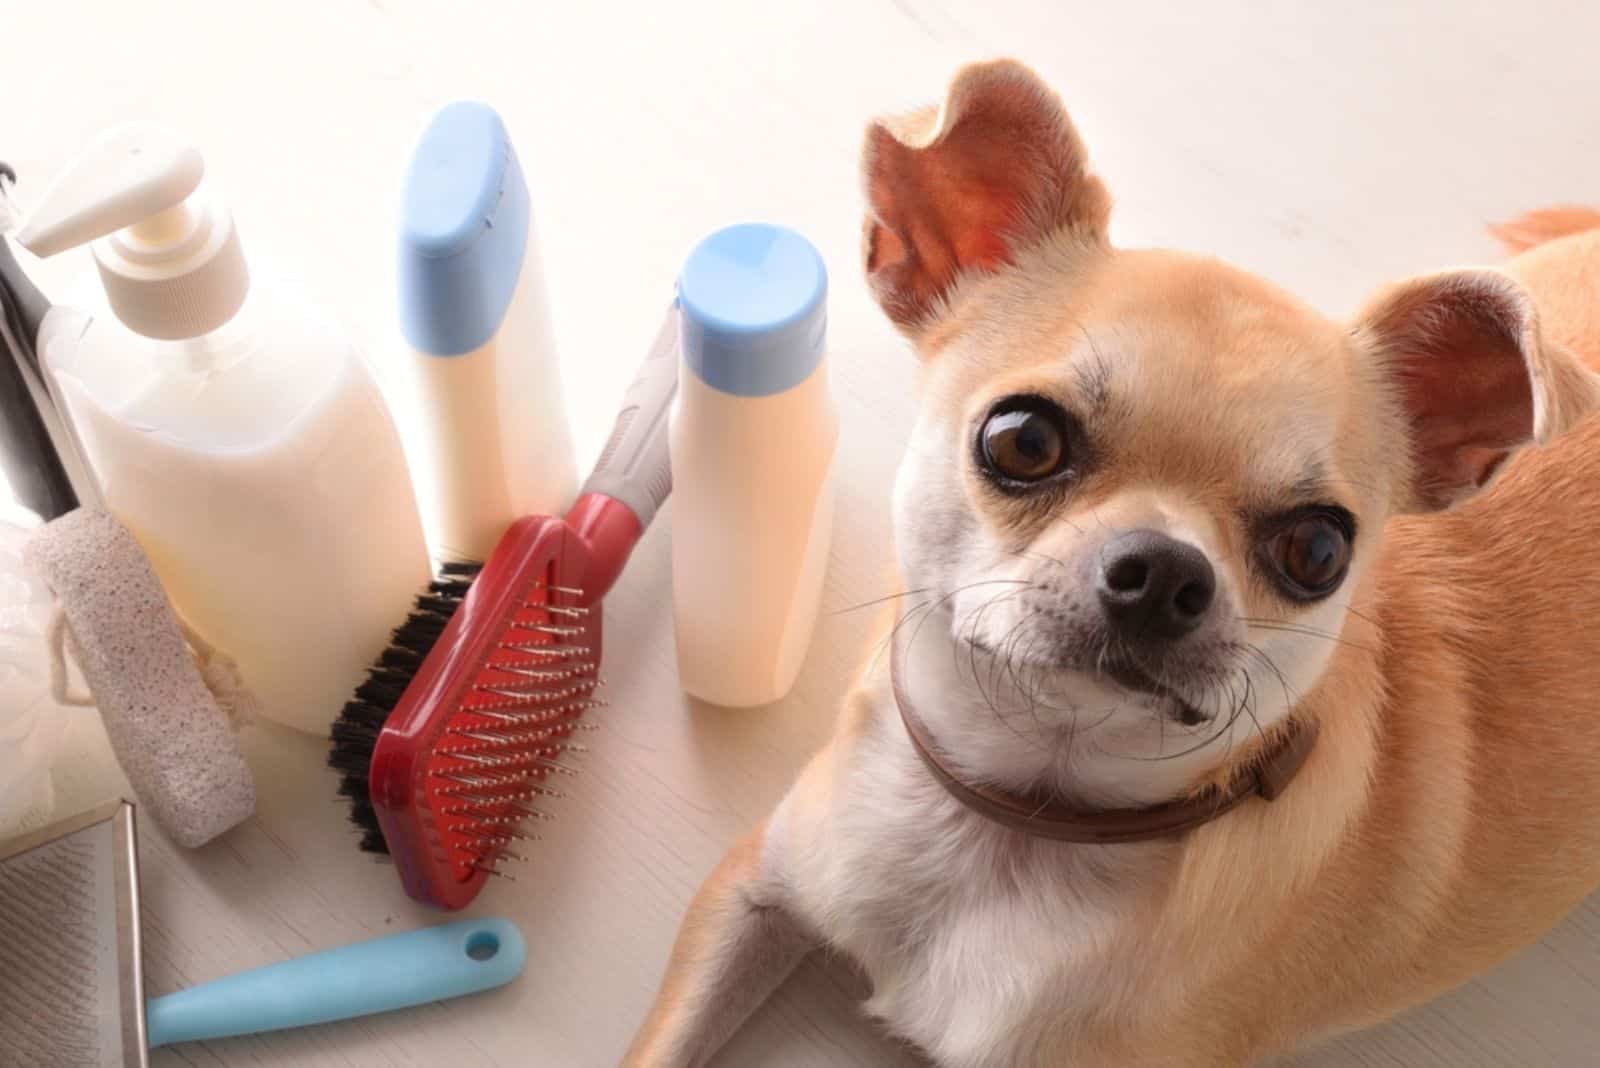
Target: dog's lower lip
{"type": "Point", "coordinates": [975, 643]}
{"type": "Point", "coordinates": [1132, 677]}
{"type": "Point", "coordinates": [1125, 674]}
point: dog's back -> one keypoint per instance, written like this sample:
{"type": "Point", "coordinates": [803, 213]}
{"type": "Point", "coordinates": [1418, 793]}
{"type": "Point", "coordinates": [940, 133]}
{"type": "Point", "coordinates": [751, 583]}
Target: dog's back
{"type": "Point", "coordinates": [1560, 262]}
{"type": "Point", "coordinates": [1489, 625]}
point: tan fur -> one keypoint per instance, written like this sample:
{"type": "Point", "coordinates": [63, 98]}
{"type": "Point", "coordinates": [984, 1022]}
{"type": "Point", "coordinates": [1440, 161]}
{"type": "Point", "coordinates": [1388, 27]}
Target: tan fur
{"type": "Point", "coordinates": [1450, 813]}
{"type": "Point", "coordinates": [697, 940]}
{"type": "Point", "coordinates": [1543, 226]}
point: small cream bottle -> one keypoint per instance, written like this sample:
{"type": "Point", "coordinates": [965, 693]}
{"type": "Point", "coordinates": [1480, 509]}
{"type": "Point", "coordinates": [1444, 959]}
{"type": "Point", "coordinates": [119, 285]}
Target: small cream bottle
{"type": "Point", "coordinates": [753, 436]}
{"type": "Point", "coordinates": [236, 432]}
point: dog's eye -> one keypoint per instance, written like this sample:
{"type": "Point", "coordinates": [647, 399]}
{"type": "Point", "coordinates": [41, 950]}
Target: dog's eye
{"type": "Point", "coordinates": [1024, 439]}
{"type": "Point", "coordinates": [1311, 553]}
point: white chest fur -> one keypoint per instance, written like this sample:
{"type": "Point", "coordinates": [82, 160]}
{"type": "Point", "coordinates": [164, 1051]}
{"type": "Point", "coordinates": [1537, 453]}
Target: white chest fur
{"type": "Point", "coordinates": [983, 946]}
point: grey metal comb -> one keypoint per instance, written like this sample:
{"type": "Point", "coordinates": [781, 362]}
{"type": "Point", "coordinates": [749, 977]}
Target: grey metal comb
{"type": "Point", "coordinates": [71, 979]}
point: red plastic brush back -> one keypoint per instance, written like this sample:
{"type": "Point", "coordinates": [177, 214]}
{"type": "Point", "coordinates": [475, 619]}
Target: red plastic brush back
{"type": "Point", "coordinates": [409, 790]}
{"type": "Point", "coordinates": [415, 778]}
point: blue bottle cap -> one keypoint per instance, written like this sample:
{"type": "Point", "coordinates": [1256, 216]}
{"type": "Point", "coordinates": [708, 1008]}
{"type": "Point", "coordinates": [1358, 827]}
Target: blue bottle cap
{"type": "Point", "coordinates": [754, 302]}
{"type": "Point", "coordinates": [463, 231]}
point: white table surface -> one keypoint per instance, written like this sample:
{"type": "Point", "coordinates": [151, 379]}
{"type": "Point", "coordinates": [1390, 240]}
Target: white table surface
{"type": "Point", "coordinates": [1327, 147]}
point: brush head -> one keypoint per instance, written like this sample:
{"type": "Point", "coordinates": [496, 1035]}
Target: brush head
{"type": "Point", "coordinates": [446, 748]}
{"type": "Point", "coordinates": [355, 732]}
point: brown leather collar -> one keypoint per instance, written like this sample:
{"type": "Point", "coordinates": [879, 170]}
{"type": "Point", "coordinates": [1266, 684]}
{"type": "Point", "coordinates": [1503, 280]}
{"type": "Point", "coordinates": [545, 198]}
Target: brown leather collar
{"type": "Point", "coordinates": [1042, 816]}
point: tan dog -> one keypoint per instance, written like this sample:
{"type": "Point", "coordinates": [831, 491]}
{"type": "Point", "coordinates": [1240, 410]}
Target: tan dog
{"type": "Point", "coordinates": [1161, 520]}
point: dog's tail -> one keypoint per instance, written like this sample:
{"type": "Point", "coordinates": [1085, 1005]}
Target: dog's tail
{"type": "Point", "coordinates": [1547, 224]}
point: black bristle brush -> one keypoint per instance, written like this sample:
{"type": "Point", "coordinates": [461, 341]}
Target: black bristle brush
{"type": "Point", "coordinates": [446, 745]}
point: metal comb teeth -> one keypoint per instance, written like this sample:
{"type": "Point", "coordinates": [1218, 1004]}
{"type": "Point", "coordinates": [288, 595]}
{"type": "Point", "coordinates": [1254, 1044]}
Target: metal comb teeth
{"type": "Point", "coordinates": [500, 816]}
{"type": "Point", "coordinates": [547, 649]}
{"type": "Point", "coordinates": [570, 591]}
{"type": "Point", "coordinates": [51, 889]}
{"type": "Point", "coordinates": [537, 760]}
{"type": "Point", "coordinates": [524, 703]}
{"type": "Point", "coordinates": [541, 675]}
{"type": "Point", "coordinates": [555, 630]}
{"type": "Point", "coordinates": [473, 793]}
{"type": "Point", "coordinates": [71, 987]}
{"type": "Point", "coordinates": [506, 717]}
{"type": "Point", "coordinates": [505, 823]}
{"type": "Point", "coordinates": [533, 691]}
{"type": "Point", "coordinates": [495, 836]}
{"type": "Point", "coordinates": [511, 731]}
{"type": "Point", "coordinates": [488, 739]}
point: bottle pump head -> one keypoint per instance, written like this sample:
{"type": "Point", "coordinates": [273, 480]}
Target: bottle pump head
{"type": "Point", "coordinates": [170, 260]}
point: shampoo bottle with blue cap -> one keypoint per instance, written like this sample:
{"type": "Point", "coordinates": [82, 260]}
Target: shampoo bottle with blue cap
{"type": "Point", "coordinates": [474, 312]}
{"type": "Point", "coordinates": [753, 437]}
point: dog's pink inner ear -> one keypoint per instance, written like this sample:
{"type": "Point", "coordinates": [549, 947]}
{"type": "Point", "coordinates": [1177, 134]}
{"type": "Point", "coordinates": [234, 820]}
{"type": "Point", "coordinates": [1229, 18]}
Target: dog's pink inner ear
{"type": "Point", "coordinates": [1463, 350]}
{"type": "Point", "coordinates": [962, 189]}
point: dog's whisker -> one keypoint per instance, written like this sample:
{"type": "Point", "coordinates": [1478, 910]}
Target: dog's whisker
{"type": "Point", "coordinates": [1003, 660]}
{"type": "Point", "coordinates": [1290, 700]}
{"type": "Point", "coordinates": [1353, 610]}
{"type": "Point", "coordinates": [880, 600]}
{"type": "Point", "coordinates": [1305, 631]}
{"type": "Point", "coordinates": [911, 593]}
{"type": "Point", "coordinates": [921, 612]}
{"type": "Point", "coordinates": [916, 611]}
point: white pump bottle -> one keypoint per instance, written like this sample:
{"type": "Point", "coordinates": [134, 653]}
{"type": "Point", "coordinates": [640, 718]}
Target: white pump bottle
{"type": "Point", "coordinates": [235, 430]}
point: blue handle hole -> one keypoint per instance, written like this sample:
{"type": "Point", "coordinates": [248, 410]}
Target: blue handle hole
{"type": "Point", "coordinates": [483, 945]}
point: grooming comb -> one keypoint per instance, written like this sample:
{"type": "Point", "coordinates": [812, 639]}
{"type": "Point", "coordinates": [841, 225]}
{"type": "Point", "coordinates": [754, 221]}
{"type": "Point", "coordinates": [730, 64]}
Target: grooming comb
{"type": "Point", "coordinates": [448, 745]}
{"type": "Point", "coordinates": [72, 976]}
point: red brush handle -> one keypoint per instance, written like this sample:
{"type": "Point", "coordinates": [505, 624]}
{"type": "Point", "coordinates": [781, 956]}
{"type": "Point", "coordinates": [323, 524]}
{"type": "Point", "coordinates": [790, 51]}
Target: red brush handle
{"type": "Point", "coordinates": [611, 530]}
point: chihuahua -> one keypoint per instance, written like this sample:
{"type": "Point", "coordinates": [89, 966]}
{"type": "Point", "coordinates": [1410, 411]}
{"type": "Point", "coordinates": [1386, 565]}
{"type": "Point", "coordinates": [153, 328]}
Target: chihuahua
{"type": "Point", "coordinates": [1246, 694]}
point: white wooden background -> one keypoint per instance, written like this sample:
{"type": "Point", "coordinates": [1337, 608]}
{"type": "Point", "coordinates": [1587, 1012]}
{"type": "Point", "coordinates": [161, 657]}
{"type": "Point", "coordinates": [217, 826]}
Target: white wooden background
{"type": "Point", "coordinates": [1330, 146]}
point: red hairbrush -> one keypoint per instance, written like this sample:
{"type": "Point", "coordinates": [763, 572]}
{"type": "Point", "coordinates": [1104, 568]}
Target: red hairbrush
{"type": "Point", "coordinates": [449, 742]}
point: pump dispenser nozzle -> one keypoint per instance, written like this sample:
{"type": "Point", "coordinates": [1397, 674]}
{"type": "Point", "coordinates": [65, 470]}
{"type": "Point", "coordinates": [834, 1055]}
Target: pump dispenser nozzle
{"type": "Point", "coordinates": [169, 258]}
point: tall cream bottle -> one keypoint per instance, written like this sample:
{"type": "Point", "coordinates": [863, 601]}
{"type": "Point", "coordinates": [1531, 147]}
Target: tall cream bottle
{"type": "Point", "coordinates": [236, 431]}
{"type": "Point", "coordinates": [753, 437]}
{"type": "Point", "coordinates": [494, 438]}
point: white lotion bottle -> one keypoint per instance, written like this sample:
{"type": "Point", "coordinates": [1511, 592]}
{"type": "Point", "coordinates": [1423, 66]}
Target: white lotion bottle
{"type": "Point", "coordinates": [475, 315]}
{"type": "Point", "coordinates": [753, 437]}
{"type": "Point", "coordinates": [236, 431]}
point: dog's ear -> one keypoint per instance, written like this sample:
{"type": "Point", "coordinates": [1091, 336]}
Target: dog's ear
{"type": "Point", "coordinates": [1475, 380]}
{"type": "Point", "coordinates": [963, 188]}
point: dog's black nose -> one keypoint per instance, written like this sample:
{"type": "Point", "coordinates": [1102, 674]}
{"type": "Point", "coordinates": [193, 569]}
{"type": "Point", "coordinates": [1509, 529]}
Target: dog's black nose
{"type": "Point", "coordinates": [1153, 586]}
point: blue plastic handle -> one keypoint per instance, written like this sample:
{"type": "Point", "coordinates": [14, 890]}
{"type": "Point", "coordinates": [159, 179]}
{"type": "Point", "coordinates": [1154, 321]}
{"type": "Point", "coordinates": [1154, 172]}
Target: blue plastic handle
{"type": "Point", "coordinates": [394, 972]}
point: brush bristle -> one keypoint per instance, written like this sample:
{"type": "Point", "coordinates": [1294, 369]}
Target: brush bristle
{"type": "Point", "coordinates": [354, 735]}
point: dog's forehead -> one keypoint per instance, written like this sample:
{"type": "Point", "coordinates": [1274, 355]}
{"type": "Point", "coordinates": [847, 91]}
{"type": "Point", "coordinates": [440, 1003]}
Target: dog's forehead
{"type": "Point", "coordinates": [1183, 362]}
{"type": "Point", "coordinates": [1235, 388]}
{"type": "Point", "coordinates": [1152, 317]}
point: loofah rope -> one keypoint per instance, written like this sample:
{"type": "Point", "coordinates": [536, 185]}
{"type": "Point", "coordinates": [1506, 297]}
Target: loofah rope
{"type": "Point", "coordinates": [218, 670]}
